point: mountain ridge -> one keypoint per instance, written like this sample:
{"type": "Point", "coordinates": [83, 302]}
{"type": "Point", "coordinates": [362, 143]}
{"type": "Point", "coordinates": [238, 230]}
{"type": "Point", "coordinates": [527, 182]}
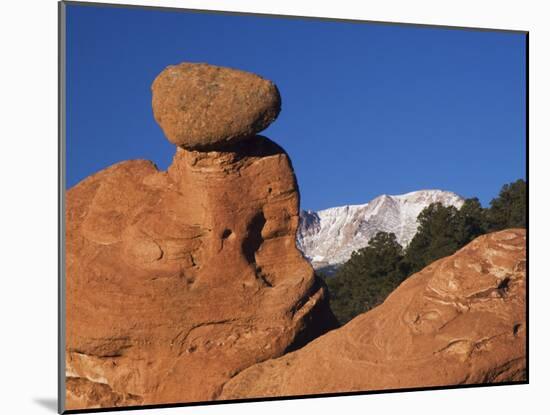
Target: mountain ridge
{"type": "Point", "coordinates": [328, 237]}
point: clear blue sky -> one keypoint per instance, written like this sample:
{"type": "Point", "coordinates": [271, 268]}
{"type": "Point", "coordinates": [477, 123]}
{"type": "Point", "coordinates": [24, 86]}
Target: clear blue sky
{"type": "Point", "coordinates": [367, 108]}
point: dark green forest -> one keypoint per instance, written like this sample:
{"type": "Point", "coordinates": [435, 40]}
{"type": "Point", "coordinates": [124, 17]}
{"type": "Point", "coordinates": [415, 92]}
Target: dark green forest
{"type": "Point", "coordinates": [373, 272]}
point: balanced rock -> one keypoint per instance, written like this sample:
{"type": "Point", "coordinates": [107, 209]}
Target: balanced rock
{"type": "Point", "coordinates": [179, 279]}
{"type": "Point", "coordinates": [201, 106]}
{"type": "Point", "coordinates": [461, 320]}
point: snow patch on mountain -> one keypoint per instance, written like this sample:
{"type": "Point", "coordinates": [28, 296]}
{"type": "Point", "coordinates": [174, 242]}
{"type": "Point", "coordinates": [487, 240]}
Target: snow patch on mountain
{"type": "Point", "coordinates": [328, 237]}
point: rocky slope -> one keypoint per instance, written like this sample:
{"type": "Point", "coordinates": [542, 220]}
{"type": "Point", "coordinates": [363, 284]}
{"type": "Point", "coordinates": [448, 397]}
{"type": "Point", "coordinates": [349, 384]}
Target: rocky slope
{"type": "Point", "coordinates": [328, 237]}
{"type": "Point", "coordinates": [179, 279]}
{"type": "Point", "coordinates": [461, 320]}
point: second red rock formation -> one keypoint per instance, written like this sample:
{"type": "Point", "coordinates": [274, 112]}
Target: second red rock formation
{"type": "Point", "coordinates": [461, 320]}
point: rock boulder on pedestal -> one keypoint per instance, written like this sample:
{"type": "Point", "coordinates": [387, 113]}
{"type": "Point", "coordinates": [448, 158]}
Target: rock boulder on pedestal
{"type": "Point", "coordinates": [177, 280]}
{"type": "Point", "coordinates": [201, 106]}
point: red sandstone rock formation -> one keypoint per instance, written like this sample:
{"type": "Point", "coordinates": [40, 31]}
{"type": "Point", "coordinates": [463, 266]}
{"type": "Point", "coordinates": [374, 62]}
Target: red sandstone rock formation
{"type": "Point", "coordinates": [461, 320]}
{"type": "Point", "coordinates": [178, 280]}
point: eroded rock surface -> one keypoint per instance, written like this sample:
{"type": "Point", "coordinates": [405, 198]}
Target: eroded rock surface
{"type": "Point", "coordinates": [461, 320]}
{"type": "Point", "coordinates": [179, 279]}
{"type": "Point", "coordinates": [201, 106]}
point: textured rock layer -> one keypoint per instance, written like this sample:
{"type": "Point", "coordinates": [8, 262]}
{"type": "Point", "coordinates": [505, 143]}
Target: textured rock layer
{"type": "Point", "coordinates": [178, 280]}
{"type": "Point", "coordinates": [201, 106]}
{"type": "Point", "coordinates": [461, 320]}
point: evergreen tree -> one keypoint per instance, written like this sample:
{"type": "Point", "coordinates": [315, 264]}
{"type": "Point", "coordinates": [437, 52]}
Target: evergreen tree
{"type": "Point", "coordinates": [436, 236]}
{"type": "Point", "coordinates": [471, 222]}
{"type": "Point", "coordinates": [367, 277]}
{"type": "Point", "coordinates": [509, 209]}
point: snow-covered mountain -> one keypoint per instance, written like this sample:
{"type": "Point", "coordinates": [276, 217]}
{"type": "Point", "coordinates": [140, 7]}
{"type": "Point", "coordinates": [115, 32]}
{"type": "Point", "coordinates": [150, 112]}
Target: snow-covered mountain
{"type": "Point", "coordinates": [328, 237]}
